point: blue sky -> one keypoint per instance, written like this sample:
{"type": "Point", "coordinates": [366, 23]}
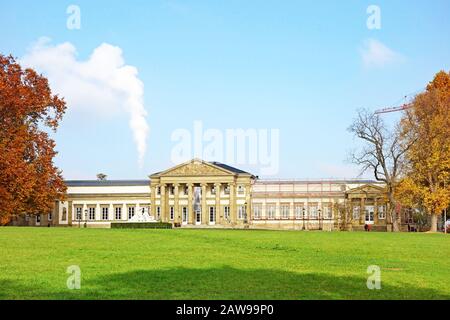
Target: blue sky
{"type": "Point", "coordinates": [296, 66]}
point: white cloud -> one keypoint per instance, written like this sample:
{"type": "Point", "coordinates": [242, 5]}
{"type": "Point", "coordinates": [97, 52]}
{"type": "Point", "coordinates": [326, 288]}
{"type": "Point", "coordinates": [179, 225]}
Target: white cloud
{"type": "Point", "coordinates": [375, 54]}
{"type": "Point", "coordinates": [103, 83]}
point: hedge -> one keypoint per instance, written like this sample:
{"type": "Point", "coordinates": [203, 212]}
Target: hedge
{"type": "Point", "coordinates": [141, 225]}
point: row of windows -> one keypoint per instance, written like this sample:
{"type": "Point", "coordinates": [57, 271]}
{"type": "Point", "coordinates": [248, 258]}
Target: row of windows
{"type": "Point", "coordinates": [240, 190]}
{"type": "Point", "coordinates": [105, 214]}
{"type": "Point", "coordinates": [212, 213]}
{"type": "Point", "coordinates": [300, 212]}
{"type": "Point", "coordinates": [369, 212]}
{"type": "Point", "coordinates": [91, 213]}
{"type": "Point", "coordinates": [38, 217]}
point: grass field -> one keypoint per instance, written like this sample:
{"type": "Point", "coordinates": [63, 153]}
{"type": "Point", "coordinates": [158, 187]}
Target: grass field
{"type": "Point", "coordinates": [221, 264]}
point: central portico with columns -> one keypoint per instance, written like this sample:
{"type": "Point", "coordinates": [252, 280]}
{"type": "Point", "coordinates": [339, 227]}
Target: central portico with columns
{"type": "Point", "coordinates": [199, 193]}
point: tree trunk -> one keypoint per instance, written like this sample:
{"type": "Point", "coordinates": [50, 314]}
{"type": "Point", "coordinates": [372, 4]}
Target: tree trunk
{"type": "Point", "coordinates": [434, 221]}
{"type": "Point", "coordinates": [393, 213]}
{"type": "Point", "coordinates": [395, 227]}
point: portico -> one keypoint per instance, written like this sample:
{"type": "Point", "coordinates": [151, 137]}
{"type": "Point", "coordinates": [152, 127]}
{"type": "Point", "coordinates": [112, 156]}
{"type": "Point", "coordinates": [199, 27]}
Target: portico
{"type": "Point", "coordinates": [368, 205]}
{"type": "Point", "coordinates": [200, 193]}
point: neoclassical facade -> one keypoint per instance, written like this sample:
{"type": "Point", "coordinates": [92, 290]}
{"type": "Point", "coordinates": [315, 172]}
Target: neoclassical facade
{"type": "Point", "coordinates": [200, 194]}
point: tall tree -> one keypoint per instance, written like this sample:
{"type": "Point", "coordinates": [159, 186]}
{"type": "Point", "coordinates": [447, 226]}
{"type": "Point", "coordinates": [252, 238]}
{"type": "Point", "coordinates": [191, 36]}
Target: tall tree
{"type": "Point", "coordinates": [427, 123]}
{"type": "Point", "coordinates": [382, 153]}
{"type": "Point", "coordinates": [29, 181]}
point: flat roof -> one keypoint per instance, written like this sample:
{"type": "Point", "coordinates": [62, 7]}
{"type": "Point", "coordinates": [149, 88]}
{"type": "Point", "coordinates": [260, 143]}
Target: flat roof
{"type": "Point", "coordinates": [316, 181]}
{"type": "Point", "coordinates": [106, 183]}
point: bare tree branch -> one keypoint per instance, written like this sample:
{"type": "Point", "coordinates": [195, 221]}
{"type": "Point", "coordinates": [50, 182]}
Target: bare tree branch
{"type": "Point", "coordinates": [382, 152]}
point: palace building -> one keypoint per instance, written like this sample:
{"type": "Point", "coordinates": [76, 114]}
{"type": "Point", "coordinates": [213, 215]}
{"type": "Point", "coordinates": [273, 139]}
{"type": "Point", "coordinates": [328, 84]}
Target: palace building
{"type": "Point", "coordinates": [200, 194]}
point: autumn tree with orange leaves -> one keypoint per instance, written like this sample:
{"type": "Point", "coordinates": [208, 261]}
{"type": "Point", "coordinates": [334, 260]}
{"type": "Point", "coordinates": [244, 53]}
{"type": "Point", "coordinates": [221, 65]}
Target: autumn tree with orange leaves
{"type": "Point", "coordinates": [29, 181]}
{"type": "Point", "coordinates": [427, 125]}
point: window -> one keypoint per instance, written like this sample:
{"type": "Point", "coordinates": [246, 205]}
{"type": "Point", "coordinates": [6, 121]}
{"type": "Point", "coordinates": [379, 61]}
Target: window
{"type": "Point", "coordinates": [212, 215]}
{"type": "Point", "coordinates": [50, 216]}
{"type": "Point", "coordinates": [118, 213]}
{"type": "Point", "coordinates": [171, 190]}
{"type": "Point", "coordinates": [356, 212]}
{"type": "Point", "coordinates": [172, 213]}
{"type": "Point", "coordinates": [186, 190]}
{"type": "Point", "coordinates": [369, 213]}
{"type": "Point", "coordinates": [213, 190]}
{"type": "Point", "coordinates": [38, 218]}
{"type": "Point", "coordinates": [226, 212]}
{"type": "Point", "coordinates": [226, 190]}
{"type": "Point", "coordinates": [145, 209]}
{"type": "Point", "coordinates": [271, 211]}
{"type": "Point", "coordinates": [381, 212]}
{"type": "Point", "coordinates": [257, 211]}
{"type": "Point", "coordinates": [198, 216]}
{"type": "Point", "coordinates": [105, 214]}
{"type": "Point", "coordinates": [131, 211]}
{"type": "Point", "coordinates": [241, 212]}
{"type": "Point", "coordinates": [78, 211]}
{"type": "Point", "coordinates": [313, 212]}
{"type": "Point", "coordinates": [240, 190]}
{"type": "Point", "coordinates": [185, 215]}
{"type": "Point", "coordinates": [285, 211]}
{"type": "Point", "coordinates": [158, 191]}
{"type": "Point", "coordinates": [327, 212]}
{"type": "Point", "coordinates": [158, 213]}
{"type": "Point", "coordinates": [91, 214]}
{"type": "Point", "coordinates": [299, 212]}
{"type": "Point", "coordinates": [64, 214]}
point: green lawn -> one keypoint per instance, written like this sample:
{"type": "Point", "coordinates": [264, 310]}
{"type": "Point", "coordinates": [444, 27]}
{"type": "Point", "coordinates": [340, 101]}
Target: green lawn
{"type": "Point", "coordinates": [221, 264]}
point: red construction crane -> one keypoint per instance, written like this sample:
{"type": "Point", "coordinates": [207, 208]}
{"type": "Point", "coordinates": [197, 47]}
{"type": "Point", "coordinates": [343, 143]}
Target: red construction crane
{"type": "Point", "coordinates": [406, 105]}
{"type": "Point", "coordinates": [394, 109]}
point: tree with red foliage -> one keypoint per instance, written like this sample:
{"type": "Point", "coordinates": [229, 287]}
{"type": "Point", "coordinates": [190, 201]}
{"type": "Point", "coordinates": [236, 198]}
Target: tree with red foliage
{"type": "Point", "coordinates": [29, 181]}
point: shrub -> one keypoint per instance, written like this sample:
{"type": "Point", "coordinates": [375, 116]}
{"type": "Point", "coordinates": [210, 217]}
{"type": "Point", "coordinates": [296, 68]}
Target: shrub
{"type": "Point", "coordinates": [141, 225]}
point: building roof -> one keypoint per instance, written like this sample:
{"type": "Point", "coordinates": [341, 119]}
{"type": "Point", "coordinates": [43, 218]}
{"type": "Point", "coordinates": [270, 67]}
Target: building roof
{"type": "Point", "coordinates": [229, 168]}
{"type": "Point", "coordinates": [106, 183]}
{"type": "Point", "coordinates": [316, 181]}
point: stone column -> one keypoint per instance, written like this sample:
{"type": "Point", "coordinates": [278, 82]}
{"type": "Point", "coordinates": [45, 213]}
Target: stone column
{"type": "Point", "coordinates": [233, 213]}
{"type": "Point", "coordinates": [162, 202]}
{"type": "Point", "coordinates": [111, 212]}
{"type": "Point", "coordinates": [98, 213]}
{"type": "Point", "coordinates": [362, 217]}
{"type": "Point", "coordinates": [124, 215]}
{"type": "Point", "coordinates": [70, 213]}
{"type": "Point", "coordinates": [218, 213]}
{"type": "Point", "coordinates": [84, 212]}
{"type": "Point", "coordinates": [248, 201]}
{"type": "Point", "coordinates": [191, 218]}
{"type": "Point", "coordinates": [375, 211]}
{"type": "Point", "coordinates": [176, 207]}
{"type": "Point", "coordinates": [153, 201]}
{"type": "Point", "coordinates": [137, 209]}
{"type": "Point", "coordinates": [205, 218]}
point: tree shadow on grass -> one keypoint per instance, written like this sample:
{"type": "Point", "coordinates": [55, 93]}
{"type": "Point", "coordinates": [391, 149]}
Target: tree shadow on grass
{"type": "Point", "coordinates": [228, 283]}
{"type": "Point", "coordinates": [231, 283]}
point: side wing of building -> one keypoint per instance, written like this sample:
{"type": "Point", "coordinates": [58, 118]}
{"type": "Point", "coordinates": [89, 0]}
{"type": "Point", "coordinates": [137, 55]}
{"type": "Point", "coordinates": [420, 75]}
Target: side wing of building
{"type": "Point", "coordinates": [319, 205]}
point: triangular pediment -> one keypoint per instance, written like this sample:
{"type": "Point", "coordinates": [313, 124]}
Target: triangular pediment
{"type": "Point", "coordinates": [195, 167]}
{"type": "Point", "coordinates": [367, 188]}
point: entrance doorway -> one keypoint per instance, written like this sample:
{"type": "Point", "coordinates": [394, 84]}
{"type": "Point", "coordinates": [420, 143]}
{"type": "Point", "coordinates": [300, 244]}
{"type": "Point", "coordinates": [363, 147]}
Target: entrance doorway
{"type": "Point", "coordinates": [212, 215]}
{"type": "Point", "coordinates": [198, 216]}
{"type": "Point", "coordinates": [369, 214]}
{"type": "Point", "coordinates": [184, 216]}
